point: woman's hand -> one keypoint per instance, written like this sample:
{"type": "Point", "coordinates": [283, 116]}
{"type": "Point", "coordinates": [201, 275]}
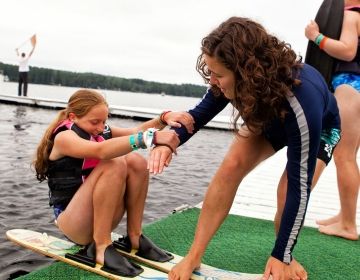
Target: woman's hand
{"type": "Point", "coordinates": [167, 138]}
{"type": "Point", "coordinates": [295, 271]}
{"type": "Point", "coordinates": [312, 30]}
{"type": "Point", "coordinates": [274, 270]}
{"type": "Point", "coordinates": [178, 119]}
{"type": "Point", "coordinates": [184, 269]}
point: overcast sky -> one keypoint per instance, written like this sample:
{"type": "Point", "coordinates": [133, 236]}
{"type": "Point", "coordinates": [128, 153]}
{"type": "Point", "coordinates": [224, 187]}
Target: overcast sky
{"type": "Point", "coordinates": [155, 40]}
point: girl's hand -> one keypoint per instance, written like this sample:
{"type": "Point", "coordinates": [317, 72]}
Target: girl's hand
{"type": "Point", "coordinates": [159, 158]}
{"type": "Point", "coordinates": [312, 30]}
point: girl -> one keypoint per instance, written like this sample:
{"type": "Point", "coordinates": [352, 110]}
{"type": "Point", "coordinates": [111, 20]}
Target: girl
{"type": "Point", "coordinates": [346, 83]}
{"type": "Point", "coordinates": [93, 182]}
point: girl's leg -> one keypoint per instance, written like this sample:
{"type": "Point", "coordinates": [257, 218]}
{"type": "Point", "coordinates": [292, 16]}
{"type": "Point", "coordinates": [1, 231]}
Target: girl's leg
{"type": "Point", "coordinates": [96, 206]}
{"type": "Point", "coordinates": [137, 183]}
{"type": "Point", "coordinates": [344, 224]}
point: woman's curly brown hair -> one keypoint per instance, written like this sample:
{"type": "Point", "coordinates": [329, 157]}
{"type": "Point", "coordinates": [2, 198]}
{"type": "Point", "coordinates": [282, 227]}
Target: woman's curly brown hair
{"type": "Point", "coordinates": [264, 68]}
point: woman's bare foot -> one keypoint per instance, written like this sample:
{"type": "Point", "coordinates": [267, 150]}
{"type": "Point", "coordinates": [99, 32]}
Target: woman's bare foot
{"type": "Point", "coordinates": [337, 229]}
{"type": "Point", "coordinates": [329, 221]}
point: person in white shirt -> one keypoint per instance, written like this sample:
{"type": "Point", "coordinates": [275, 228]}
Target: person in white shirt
{"type": "Point", "coordinates": [23, 71]}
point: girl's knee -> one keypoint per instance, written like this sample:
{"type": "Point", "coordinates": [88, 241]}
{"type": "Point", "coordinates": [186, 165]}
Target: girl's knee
{"type": "Point", "coordinates": [136, 162]}
{"type": "Point", "coordinates": [342, 156]}
{"type": "Point", "coordinates": [114, 167]}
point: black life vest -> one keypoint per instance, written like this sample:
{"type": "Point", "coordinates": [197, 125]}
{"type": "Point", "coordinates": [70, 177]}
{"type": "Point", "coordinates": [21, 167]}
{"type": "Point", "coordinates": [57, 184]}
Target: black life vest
{"type": "Point", "coordinates": [67, 174]}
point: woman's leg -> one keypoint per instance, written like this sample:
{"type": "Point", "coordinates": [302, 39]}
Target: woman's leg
{"type": "Point", "coordinates": [344, 224]}
{"type": "Point", "coordinates": [282, 190]}
{"type": "Point", "coordinates": [97, 206]}
{"type": "Point", "coordinates": [244, 154]}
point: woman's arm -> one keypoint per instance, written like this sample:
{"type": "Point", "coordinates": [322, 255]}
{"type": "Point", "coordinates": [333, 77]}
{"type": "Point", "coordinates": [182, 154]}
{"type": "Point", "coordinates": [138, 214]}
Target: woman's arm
{"type": "Point", "coordinates": [203, 112]}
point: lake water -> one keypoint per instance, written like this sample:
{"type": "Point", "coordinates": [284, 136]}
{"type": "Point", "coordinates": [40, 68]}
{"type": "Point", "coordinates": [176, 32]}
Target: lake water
{"type": "Point", "coordinates": [24, 201]}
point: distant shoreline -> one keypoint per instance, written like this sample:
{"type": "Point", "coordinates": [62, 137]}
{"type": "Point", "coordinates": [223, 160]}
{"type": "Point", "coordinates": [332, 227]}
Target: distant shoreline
{"type": "Point", "coordinates": [54, 77]}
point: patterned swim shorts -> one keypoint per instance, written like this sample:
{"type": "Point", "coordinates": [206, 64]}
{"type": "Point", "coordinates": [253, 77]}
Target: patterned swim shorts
{"type": "Point", "coordinates": [348, 79]}
{"type": "Point", "coordinates": [329, 139]}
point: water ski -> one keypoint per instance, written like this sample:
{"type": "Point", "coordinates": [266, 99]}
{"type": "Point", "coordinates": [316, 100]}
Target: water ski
{"type": "Point", "coordinates": [205, 272]}
{"type": "Point", "coordinates": [329, 18]}
{"type": "Point", "coordinates": [57, 248]}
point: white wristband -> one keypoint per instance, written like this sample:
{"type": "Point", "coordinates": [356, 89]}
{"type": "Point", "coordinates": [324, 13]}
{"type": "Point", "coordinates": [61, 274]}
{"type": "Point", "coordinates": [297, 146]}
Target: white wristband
{"type": "Point", "coordinates": [148, 137]}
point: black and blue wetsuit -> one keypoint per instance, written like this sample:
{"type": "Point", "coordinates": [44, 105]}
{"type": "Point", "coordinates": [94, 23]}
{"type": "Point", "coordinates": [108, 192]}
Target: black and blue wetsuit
{"type": "Point", "coordinates": [311, 109]}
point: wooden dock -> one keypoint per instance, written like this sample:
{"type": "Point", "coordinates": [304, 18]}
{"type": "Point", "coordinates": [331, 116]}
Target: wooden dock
{"type": "Point", "coordinates": [256, 196]}
{"type": "Point", "coordinates": [139, 113]}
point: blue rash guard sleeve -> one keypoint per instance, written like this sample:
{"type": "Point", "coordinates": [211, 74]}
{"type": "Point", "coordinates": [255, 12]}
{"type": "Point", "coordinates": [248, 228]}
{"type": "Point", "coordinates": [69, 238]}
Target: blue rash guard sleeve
{"type": "Point", "coordinates": [303, 142]}
{"type": "Point", "coordinates": [307, 116]}
{"type": "Point", "coordinates": [204, 111]}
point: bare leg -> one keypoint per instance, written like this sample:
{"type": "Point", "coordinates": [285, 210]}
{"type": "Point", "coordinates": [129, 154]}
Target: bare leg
{"type": "Point", "coordinates": [344, 223]}
{"type": "Point", "coordinates": [136, 191]}
{"type": "Point", "coordinates": [282, 189]}
{"type": "Point", "coordinates": [97, 206]}
{"type": "Point", "coordinates": [243, 155]}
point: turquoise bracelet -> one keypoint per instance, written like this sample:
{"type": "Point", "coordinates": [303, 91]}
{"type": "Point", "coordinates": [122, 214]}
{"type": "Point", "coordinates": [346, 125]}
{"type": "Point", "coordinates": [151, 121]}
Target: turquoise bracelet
{"type": "Point", "coordinates": [133, 145]}
{"type": "Point", "coordinates": [318, 39]}
{"type": "Point", "coordinates": [141, 142]}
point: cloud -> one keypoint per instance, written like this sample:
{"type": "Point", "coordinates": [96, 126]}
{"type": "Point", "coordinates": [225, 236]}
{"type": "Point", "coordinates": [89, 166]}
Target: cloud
{"type": "Point", "coordinates": [155, 40]}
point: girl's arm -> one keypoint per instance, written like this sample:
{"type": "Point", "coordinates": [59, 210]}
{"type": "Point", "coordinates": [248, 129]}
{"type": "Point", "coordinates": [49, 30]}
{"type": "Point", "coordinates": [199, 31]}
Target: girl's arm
{"type": "Point", "coordinates": [174, 119]}
{"type": "Point", "coordinates": [346, 47]}
{"type": "Point", "coordinates": [68, 143]}
{"type": "Point", "coordinates": [120, 131]}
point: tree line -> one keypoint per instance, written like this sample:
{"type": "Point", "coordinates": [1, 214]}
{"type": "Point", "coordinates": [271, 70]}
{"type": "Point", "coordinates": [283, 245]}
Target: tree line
{"type": "Point", "coordinates": [48, 76]}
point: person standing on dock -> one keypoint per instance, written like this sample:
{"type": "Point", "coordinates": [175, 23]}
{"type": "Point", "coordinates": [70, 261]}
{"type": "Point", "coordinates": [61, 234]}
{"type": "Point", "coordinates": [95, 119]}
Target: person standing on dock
{"type": "Point", "coordinates": [24, 67]}
{"type": "Point", "coordinates": [346, 83]}
{"type": "Point", "coordinates": [282, 103]}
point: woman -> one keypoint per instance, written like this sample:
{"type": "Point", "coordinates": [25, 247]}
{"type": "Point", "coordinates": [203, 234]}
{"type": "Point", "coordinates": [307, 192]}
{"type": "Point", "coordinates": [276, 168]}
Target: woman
{"type": "Point", "coordinates": [282, 102]}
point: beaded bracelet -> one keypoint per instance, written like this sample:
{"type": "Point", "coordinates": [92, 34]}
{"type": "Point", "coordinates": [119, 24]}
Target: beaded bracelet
{"type": "Point", "coordinates": [162, 117]}
{"type": "Point", "coordinates": [161, 122]}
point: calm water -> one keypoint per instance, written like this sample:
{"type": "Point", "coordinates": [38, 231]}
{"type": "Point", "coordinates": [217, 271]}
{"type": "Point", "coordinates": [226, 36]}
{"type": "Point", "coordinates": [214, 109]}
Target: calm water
{"type": "Point", "coordinates": [24, 201]}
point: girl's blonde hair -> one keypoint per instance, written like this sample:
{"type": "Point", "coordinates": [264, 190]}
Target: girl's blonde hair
{"type": "Point", "coordinates": [80, 103]}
